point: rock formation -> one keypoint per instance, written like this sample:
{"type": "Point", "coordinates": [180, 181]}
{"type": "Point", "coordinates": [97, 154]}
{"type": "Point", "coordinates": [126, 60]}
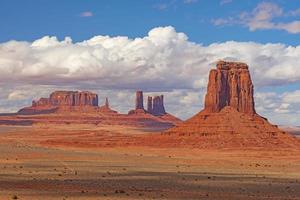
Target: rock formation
{"type": "Point", "coordinates": [139, 104]}
{"type": "Point", "coordinates": [72, 107]}
{"type": "Point", "coordinates": [155, 109]}
{"type": "Point", "coordinates": [156, 105]}
{"type": "Point", "coordinates": [106, 103]}
{"type": "Point", "coordinates": [230, 85]}
{"type": "Point", "coordinates": [229, 119]}
{"type": "Point", "coordinates": [139, 100]}
{"type": "Point", "coordinates": [62, 100]}
{"type": "Point", "coordinates": [105, 108]}
{"type": "Point", "coordinates": [149, 105]}
{"type": "Point", "coordinates": [73, 98]}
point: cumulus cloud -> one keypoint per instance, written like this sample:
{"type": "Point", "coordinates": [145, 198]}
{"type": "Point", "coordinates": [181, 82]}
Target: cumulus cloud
{"type": "Point", "coordinates": [262, 17]}
{"type": "Point", "coordinates": [280, 108]}
{"type": "Point", "coordinates": [164, 61]}
{"type": "Point", "coordinates": [146, 63]}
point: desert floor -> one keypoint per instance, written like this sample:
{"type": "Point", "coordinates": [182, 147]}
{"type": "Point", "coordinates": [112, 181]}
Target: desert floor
{"type": "Point", "coordinates": [32, 169]}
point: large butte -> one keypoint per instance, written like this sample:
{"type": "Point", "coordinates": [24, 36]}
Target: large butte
{"type": "Point", "coordinates": [229, 118]}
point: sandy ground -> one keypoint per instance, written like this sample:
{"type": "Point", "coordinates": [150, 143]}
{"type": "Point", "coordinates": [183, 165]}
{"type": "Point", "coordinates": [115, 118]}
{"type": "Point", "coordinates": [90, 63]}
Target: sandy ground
{"type": "Point", "coordinates": [31, 170]}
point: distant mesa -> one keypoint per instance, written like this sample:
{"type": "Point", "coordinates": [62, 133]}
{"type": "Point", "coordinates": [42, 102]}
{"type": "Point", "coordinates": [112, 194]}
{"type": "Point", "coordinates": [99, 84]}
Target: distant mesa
{"type": "Point", "coordinates": [81, 107]}
{"type": "Point", "coordinates": [105, 108]}
{"type": "Point", "coordinates": [62, 100]}
{"type": "Point", "coordinates": [155, 105]}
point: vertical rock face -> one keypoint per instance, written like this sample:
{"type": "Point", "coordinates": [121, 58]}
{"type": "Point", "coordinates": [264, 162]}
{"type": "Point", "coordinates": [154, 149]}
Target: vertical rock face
{"type": "Point", "coordinates": [156, 105]}
{"type": "Point", "coordinates": [230, 85]}
{"type": "Point", "coordinates": [70, 98]}
{"type": "Point", "coordinates": [139, 100]}
{"type": "Point", "coordinates": [62, 100]}
{"type": "Point", "coordinates": [67, 98]}
{"type": "Point", "coordinates": [149, 105]}
{"type": "Point", "coordinates": [106, 103]}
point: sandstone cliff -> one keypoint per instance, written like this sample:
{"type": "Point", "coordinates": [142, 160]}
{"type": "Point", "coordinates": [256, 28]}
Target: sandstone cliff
{"type": "Point", "coordinates": [229, 119]}
{"type": "Point", "coordinates": [156, 105]}
{"type": "Point", "coordinates": [62, 100]}
{"type": "Point", "coordinates": [230, 85]}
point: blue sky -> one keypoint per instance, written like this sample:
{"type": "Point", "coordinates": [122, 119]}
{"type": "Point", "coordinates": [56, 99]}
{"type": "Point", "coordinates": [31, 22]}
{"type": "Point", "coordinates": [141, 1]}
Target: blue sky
{"type": "Point", "coordinates": [32, 19]}
{"type": "Point", "coordinates": [168, 47]}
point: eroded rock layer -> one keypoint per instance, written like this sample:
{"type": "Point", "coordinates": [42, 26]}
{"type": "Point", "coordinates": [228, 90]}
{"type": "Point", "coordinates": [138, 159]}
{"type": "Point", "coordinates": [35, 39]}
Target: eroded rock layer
{"type": "Point", "coordinates": [156, 105]}
{"type": "Point", "coordinates": [139, 100]}
{"type": "Point", "coordinates": [230, 85]}
{"type": "Point", "coordinates": [63, 100]}
{"type": "Point", "coordinates": [229, 118]}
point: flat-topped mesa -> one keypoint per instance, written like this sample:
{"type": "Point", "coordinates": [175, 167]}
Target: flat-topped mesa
{"type": "Point", "coordinates": [73, 98]}
{"type": "Point", "coordinates": [230, 85]}
{"type": "Point", "coordinates": [62, 100]}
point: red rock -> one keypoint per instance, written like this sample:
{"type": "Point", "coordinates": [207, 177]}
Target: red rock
{"type": "Point", "coordinates": [62, 100]}
{"type": "Point", "coordinates": [158, 108]}
{"type": "Point", "coordinates": [229, 119]}
{"type": "Point", "coordinates": [139, 100]}
{"type": "Point", "coordinates": [149, 105]}
{"type": "Point", "coordinates": [106, 103]}
{"type": "Point", "coordinates": [73, 98]}
{"type": "Point", "coordinates": [230, 85]}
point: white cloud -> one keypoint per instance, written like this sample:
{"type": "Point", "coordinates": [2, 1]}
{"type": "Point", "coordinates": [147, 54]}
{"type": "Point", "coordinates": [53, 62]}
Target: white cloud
{"type": "Point", "coordinates": [164, 61]}
{"type": "Point", "coordinates": [123, 63]}
{"type": "Point", "coordinates": [262, 17]}
{"type": "Point", "coordinates": [280, 108]}
{"type": "Point", "coordinates": [86, 14]}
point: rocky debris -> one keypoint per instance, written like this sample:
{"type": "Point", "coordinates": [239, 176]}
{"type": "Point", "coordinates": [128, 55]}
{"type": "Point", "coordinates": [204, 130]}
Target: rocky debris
{"type": "Point", "coordinates": [156, 105]}
{"type": "Point", "coordinates": [229, 119]}
{"type": "Point", "coordinates": [139, 100]}
{"type": "Point", "coordinates": [230, 85]}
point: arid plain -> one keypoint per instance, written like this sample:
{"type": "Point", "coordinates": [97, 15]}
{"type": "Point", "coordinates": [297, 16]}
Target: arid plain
{"type": "Point", "coordinates": [33, 169]}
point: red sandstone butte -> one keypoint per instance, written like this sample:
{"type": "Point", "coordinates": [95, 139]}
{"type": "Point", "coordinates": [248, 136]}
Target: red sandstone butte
{"type": "Point", "coordinates": [149, 105]}
{"type": "Point", "coordinates": [230, 85]}
{"type": "Point", "coordinates": [156, 105]}
{"type": "Point", "coordinates": [229, 119]}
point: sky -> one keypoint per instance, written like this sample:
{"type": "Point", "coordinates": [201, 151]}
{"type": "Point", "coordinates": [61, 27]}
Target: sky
{"type": "Point", "coordinates": [162, 47]}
